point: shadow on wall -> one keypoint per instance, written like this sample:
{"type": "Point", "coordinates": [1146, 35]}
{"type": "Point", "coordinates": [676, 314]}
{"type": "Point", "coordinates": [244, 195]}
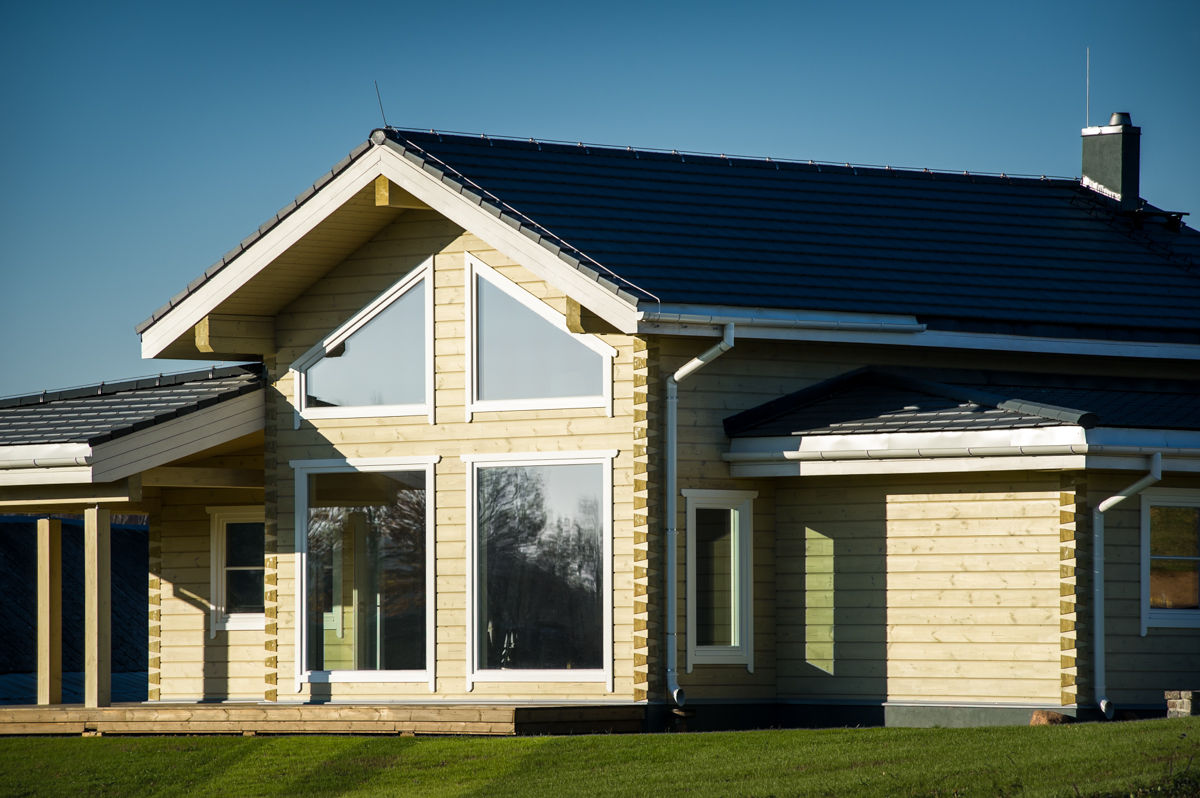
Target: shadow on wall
{"type": "Point", "coordinates": [18, 622]}
{"type": "Point", "coordinates": [832, 621]}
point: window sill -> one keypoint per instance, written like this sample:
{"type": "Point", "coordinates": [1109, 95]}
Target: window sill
{"type": "Point", "coordinates": [241, 622]}
{"type": "Point", "coordinates": [1173, 619]}
{"type": "Point", "coordinates": [720, 655]}
{"type": "Point", "coordinates": [380, 677]}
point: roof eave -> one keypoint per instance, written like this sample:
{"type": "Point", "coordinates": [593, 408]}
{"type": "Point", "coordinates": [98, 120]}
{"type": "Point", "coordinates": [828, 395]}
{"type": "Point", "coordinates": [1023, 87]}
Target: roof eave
{"type": "Point", "coordinates": [516, 238]}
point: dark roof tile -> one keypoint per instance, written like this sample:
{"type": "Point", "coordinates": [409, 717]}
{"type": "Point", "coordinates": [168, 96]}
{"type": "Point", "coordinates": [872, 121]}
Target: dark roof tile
{"type": "Point", "coordinates": [98, 413]}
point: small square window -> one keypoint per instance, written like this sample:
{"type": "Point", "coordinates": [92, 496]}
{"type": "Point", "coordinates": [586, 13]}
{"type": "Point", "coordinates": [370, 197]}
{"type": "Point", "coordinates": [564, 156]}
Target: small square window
{"type": "Point", "coordinates": [1170, 558]}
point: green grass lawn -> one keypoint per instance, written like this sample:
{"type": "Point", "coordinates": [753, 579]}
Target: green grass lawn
{"type": "Point", "coordinates": [1160, 757]}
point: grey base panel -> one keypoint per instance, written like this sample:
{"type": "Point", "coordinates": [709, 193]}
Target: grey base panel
{"type": "Point", "coordinates": [728, 715]}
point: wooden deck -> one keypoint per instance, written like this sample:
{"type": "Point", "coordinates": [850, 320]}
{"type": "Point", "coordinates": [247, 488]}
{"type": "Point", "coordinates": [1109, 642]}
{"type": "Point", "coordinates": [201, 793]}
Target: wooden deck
{"type": "Point", "coordinates": [403, 719]}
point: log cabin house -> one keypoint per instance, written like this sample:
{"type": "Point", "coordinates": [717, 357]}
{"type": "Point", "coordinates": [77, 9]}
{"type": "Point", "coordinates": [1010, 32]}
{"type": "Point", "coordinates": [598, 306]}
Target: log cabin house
{"type": "Point", "coordinates": [528, 436]}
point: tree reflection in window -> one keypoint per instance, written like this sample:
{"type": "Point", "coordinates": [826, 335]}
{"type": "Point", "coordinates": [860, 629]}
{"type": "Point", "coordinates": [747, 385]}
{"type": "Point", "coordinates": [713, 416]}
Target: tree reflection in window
{"type": "Point", "coordinates": [366, 571]}
{"type": "Point", "coordinates": [540, 567]}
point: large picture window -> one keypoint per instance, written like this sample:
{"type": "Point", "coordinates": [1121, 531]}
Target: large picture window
{"type": "Point", "coordinates": [521, 355]}
{"type": "Point", "coordinates": [541, 562]}
{"type": "Point", "coordinates": [367, 598]}
{"type": "Point", "coordinates": [720, 578]}
{"type": "Point", "coordinates": [1170, 558]}
{"type": "Point", "coordinates": [377, 364]}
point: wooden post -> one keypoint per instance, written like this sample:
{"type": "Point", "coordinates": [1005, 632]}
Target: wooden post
{"type": "Point", "coordinates": [97, 613]}
{"type": "Point", "coordinates": [49, 611]}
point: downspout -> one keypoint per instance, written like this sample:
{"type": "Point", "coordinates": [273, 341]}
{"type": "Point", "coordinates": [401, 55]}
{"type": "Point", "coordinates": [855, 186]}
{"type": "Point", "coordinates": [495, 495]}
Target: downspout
{"type": "Point", "coordinates": [1101, 677]}
{"type": "Point", "coordinates": [672, 435]}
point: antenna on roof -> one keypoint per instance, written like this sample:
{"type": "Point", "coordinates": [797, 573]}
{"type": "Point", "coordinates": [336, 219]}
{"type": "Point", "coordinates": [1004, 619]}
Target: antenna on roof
{"type": "Point", "coordinates": [1087, 87]}
{"type": "Point", "coordinates": [378, 97]}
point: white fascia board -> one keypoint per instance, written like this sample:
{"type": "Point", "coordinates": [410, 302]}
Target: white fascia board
{"type": "Point", "coordinates": [181, 437]}
{"type": "Point", "coordinates": [45, 455]}
{"type": "Point", "coordinates": [508, 240]}
{"type": "Point", "coordinates": [55, 475]}
{"type": "Point", "coordinates": [880, 331]}
{"type": "Point", "coordinates": [930, 465]}
{"type": "Point", "coordinates": [225, 283]}
{"type": "Point", "coordinates": [864, 446]}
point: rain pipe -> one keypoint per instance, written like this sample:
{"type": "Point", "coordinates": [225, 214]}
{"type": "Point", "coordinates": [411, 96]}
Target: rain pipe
{"type": "Point", "coordinates": [671, 513]}
{"type": "Point", "coordinates": [1101, 677]}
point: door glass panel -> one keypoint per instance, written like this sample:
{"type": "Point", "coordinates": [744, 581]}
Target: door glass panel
{"type": "Point", "coordinates": [366, 571]}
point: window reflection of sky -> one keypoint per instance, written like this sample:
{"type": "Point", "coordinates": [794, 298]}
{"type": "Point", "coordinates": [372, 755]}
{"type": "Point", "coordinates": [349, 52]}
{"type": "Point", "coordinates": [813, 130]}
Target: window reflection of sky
{"type": "Point", "coordinates": [383, 363]}
{"type": "Point", "coordinates": [523, 356]}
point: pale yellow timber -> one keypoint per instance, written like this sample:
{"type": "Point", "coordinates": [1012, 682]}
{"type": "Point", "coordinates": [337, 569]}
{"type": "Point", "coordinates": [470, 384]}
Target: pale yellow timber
{"type": "Point", "coordinates": [390, 195]}
{"type": "Point", "coordinates": [97, 631]}
{"type": "Point", "coordinates": [198, 477]}
{"type": "Point", "coordinates": [226, 333]}
{"type": "Point", "coordinates": [49, 611]}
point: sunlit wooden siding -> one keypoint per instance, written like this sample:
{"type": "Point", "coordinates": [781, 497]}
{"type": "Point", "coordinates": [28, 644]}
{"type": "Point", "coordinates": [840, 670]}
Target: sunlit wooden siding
{"type": "Point", "coordinates": [920, 589]}
{"type": "Point", "coordinates": [191, 663]}
{"type": "Point", "coordinates": [335, 298]}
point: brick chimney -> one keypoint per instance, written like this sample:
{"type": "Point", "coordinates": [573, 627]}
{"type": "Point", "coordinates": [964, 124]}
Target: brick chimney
{"type": "Point", "coordinates": [1111, 159]}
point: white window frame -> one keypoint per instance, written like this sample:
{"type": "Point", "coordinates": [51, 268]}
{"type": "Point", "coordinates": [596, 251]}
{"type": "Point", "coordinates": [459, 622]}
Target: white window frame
{"type": "Point", "coordinates": [302, 470]}
{"type": "Point", "coordinates": [218, 519]}
{"type": "Point", "coordinates": [474, 267]}
{"type": "Point", "coordinates": [423, 274]}
{"type": "Point", "coordinates": [475, 674]}
{"type": "Point", "coordinates": [1171, 619]}
{"type": "Point", "coordinates": [741, 504]}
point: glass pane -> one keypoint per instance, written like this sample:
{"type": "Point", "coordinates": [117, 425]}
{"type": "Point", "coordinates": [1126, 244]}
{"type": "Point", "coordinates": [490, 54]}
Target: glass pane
{"type": "Point", "coordinates": [523, 356]}
{"type": "Point", "coordinates": [1175, 531]}
{"type": "Point", "coordinates": [244, 590]}
{"type": "Point", "coordinates": [715, 560]}
{"type": "Point", "coordinates": [541, 567]}
{"type": "Point", "coordinates": [366, 571]}
{"type": "Point", "coordinates": [244, 544]}
{"type": "Point", "coordinates": [383, 363]}
{"type": "Point", "coordinates": [1175, 584]}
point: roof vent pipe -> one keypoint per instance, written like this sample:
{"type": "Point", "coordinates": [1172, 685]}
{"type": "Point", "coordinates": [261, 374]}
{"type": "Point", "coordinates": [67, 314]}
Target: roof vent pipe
{"type": "Point", "coordinates": [1112, 159]}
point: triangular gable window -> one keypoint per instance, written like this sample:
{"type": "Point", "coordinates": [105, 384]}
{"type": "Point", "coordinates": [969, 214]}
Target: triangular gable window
{"type": "Point", "coordinates": [521, 354]}
{"type": "Point", "coordinates": [376, 364]}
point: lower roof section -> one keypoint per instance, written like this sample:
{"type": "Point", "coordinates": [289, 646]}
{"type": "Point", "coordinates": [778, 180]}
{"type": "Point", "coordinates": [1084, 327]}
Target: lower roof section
{"type": "Point", "coordinates": [876, 421]}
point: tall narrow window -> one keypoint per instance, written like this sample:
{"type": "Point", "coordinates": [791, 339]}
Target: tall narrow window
{"type": "Point", "coordinates": [377, 364]}
{"type": "Point", "coordinates": [720, 599]}
{"type": "Point", "coordinates": [368, 581]}
{"type": "Point", "coordinates": [1170, 558]}
{"type": "Point", "coordinates": [237, 568]}
{"type": "Point", "coordinates": [521, 355]}
{"type": "Point", "coordinates": [541, 564]}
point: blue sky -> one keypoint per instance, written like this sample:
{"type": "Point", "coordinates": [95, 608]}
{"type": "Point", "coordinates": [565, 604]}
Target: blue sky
{"type": "Point", "coordinates": [139, 142]}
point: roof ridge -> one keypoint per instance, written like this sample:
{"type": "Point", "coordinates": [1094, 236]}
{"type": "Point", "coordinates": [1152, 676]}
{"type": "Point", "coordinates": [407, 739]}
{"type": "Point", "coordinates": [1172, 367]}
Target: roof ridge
{"type": "Point", "coordinates": [755, 159]}
{"type": "Point", "coordinates": [136, 383]}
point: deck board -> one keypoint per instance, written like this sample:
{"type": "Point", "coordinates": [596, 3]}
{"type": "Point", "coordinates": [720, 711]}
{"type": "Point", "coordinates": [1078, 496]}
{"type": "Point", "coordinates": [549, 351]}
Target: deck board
{"type": "Point", "coordinates": [485, 719]}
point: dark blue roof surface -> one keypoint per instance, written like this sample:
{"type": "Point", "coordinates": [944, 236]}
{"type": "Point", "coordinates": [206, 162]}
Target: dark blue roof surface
{"type": "Point", "coordinates": [102, 412]}
{"type": "Point", "coordinates": [970, 252]}
{"type": "Point", "coordinates": [874, 400]}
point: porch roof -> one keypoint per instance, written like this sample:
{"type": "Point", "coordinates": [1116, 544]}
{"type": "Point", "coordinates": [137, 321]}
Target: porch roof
{"type": "Point", "coordinates": [874, 400]}
{"type": "Point", "coordinates": [99, 413]}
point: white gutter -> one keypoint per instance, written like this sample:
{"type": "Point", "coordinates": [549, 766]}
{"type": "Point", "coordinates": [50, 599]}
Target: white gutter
{"type": "Point", "coordinates": [671, 513]}
{"type": "Point", "coordinates": [666, 317]}
{"type": "Point", "coordinates": [45, 455]}
{"type": "Point", "coordinates": [931, 452]}
{"type": "Point", "coordinates": [1101, 676]}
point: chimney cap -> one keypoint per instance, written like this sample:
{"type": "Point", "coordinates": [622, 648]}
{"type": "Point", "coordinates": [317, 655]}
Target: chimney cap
{"type": "Point", "coordinates": [1120, 118]}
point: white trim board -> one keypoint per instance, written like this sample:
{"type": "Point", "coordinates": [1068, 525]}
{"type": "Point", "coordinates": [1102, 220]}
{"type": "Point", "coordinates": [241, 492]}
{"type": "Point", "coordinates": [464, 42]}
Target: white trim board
{"type": "Point", "coordinates": [387, 161]}
{"type": "Point", "coordinates": [160, 444]}
{"type": "Point", "coordinates": [835, 331]}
